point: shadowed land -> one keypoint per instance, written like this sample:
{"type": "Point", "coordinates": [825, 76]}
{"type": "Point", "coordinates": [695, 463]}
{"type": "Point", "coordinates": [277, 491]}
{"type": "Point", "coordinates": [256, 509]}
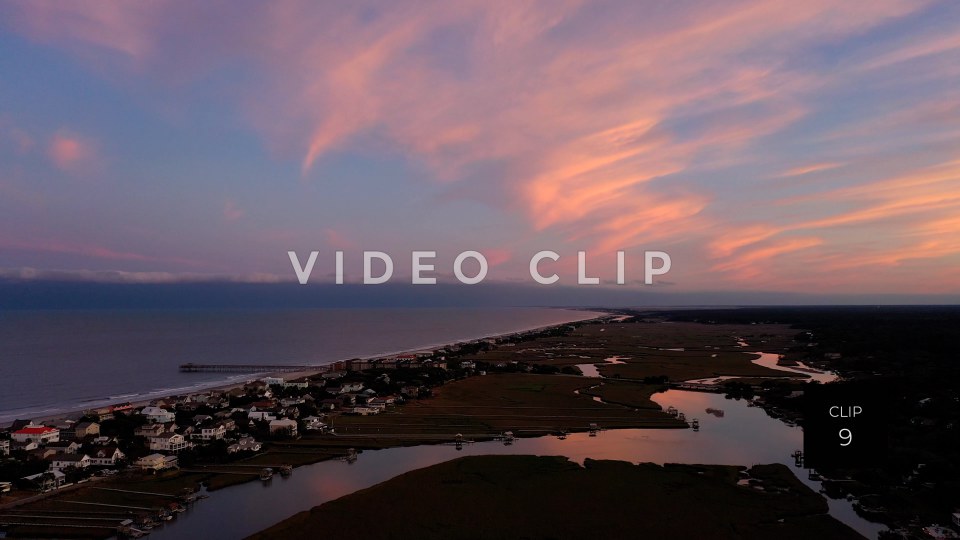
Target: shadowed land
{"type": "Point", "coordinates": [551, 497]}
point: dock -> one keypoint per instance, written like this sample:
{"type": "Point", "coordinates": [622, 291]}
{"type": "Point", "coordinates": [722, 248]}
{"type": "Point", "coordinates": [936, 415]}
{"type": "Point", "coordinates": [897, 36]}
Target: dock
{"type": "Point", "coordinates": [245, 368]}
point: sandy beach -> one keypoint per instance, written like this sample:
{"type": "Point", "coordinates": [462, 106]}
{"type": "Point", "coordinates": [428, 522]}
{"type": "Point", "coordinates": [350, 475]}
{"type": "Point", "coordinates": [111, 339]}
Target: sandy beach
{"type": "Point", "coordinates": [221, 386]}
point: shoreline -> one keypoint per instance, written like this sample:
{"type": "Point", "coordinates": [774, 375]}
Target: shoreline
{"type": "Point", "coordinates": [243, 379]}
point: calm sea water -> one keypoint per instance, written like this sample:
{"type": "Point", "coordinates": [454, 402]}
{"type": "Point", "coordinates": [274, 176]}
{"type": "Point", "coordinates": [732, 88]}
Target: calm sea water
{"type": "Point", "coordinates": [58, 361]}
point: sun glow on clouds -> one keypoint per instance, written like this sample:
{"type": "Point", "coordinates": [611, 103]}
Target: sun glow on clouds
{"type": "Point", "coordinates": [71, 153]}
{"type": "Point", "coordinates": [613, 126]}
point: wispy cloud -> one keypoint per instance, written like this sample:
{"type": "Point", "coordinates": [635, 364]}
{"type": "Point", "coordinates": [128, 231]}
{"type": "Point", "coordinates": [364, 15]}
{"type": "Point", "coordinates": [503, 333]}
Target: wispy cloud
{"type": "Point", "coordinates": [607, 127]}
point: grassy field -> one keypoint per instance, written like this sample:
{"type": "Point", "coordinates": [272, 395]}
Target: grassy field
{"type": "Point", "coordinates": [550, 497]}
{"type": "Point", "coordinates": [679, 351]}
{"type": "Point", "coordinates": [490, 404]}
{"type": "Point", "coordinates": [627, 394]}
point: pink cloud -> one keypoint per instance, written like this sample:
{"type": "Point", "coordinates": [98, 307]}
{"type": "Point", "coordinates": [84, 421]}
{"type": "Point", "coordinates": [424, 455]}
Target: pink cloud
{"type": "Point", "coordinates": [232, 211]}
{"type": "Point", "coordinates": [70, 152]}
{"type": "Point", "coordinates": [337, 240]}
{"type": "Point", "coordinates": [584, 128]}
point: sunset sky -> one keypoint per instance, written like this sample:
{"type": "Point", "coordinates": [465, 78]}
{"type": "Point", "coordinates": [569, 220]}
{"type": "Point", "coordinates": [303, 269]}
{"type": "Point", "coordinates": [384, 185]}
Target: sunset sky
{"type": "Point", "coordinates": [766, 145]}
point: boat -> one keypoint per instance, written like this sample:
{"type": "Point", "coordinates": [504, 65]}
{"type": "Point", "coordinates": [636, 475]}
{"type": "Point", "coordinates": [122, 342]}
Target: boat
{"type": "Point", "coordinates": [594, 428]}
{"type": "Point", "coordinates": [682, 417]}
{"type": "Point", "coordinates": [286, 470]}
{"type": "Point", "coordinates": [672, 411]}
{"type": "Point", "coordinates": [695, 424]}
{"type": "Point", "coordinates": [266, 474]}
{"type": "Point", "coordinates": [508, 438]}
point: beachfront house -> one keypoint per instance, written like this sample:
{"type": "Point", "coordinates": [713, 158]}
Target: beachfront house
{"type": "Point", "coordinates": [101, 414]}
{"type": "Point", "coordinates": [157, 415]}
{"type": "Point", "coordinates": [167, 442]}
{"type": "Point", "coordinates": [85, 429]}
{"type": "Point", "coordinates": [283, 426]}
{"type": "Point", "coordinates": [106, 456]}
{"type": "Point", "coordinates": [65, 461]}
{"type": "Point", "coordinates": [156, 462]}
{"type": "Point", "coordinates": [37, 434]}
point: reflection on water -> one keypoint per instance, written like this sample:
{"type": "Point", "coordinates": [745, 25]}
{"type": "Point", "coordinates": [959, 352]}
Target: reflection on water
{"type": "Point", "coordinates": [769, 360]}
{"type": "Point", "coordinates": [741, 436]}
{"type": "Point", "coordinates": [589, 370]}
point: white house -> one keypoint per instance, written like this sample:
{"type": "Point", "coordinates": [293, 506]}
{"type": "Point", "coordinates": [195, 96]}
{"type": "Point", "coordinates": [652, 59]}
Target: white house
{"type": "Point", "coordinates": [63, 461]}
{"type": "Point", "coordinates": [107, 456]}
{"type": "Point", "coordinates": [211, 433]}
{"type": "Point", "coordinates": [362, 410]}
{"type": "Point", "coordinates": [39, 434]}
{"type": "Point", "coordinates": [47, 480]}
{"type": "Point", "coordinates": [26, 446]}
{"type": "Point", "coordinates": [168, 442]}
{"type": "Point", "coordinates": [149, 430]}
{"type": "Point", "coordinates": [246, 444]}
{"type": "Point", "coordinates": [279, 381]}
{"type": "Point", "coordinates": [261, 415]}
{"type": "Point", "coordinates": [285, 425]}
{"type": "Point", "coordinates": [156, 462]}
{"type": "Point", "coordinates": [64, 447]}
{"type": "Point", "coordinates": [312, 423]}
{"type": "Point", "coordinates": [157, 415]}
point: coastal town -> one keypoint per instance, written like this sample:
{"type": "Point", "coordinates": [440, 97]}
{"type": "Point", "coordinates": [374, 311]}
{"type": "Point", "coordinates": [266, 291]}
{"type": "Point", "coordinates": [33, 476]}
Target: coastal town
{"type": "Point", "coordinates": [126, 469]}
{"type": "Point", "coordinates": [40, 459]}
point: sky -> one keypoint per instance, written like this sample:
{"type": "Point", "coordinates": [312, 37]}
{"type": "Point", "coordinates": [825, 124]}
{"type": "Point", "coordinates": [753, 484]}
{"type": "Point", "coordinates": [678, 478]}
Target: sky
{"type": "Point", "coordinates": [798, 147]}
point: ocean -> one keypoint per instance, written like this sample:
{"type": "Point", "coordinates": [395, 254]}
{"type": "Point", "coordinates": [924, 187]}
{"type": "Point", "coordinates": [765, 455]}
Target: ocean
{"type": "Point", "coordinates": [56, 361]}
